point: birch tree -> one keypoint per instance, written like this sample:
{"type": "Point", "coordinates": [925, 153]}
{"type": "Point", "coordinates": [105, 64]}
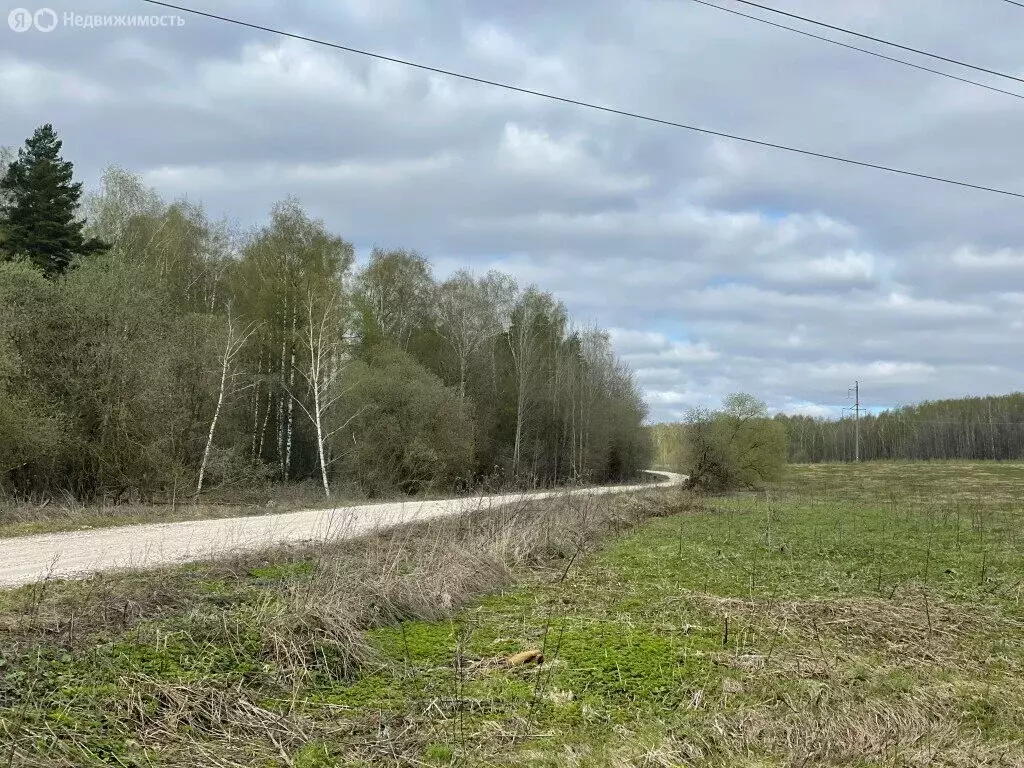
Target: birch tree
{"type": "Point", "coordinates": [394, 294]}
{"type": "Point", "coordinates": [466, 319]}
{"type": "Point", "coordinates": [235, 340]}
{"type": "Point", "coordinates": [285, 266]}
{"type": "Point", "coordinates": [325, 364]}
{"type": "Point", "coordinates": [524, 341]}
{"type": "Point", "coordinates": [112, 382]}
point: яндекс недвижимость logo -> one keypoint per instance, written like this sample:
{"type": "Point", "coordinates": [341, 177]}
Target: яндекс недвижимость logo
{"type": "Point", "coordinates": [46, 20]}
{"type": "Point", "coordinates": [22, 19]}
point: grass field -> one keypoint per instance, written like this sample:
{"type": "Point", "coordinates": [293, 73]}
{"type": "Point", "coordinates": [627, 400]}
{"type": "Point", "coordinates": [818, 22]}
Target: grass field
{"type": "Point", "coordinates": [853, 615]}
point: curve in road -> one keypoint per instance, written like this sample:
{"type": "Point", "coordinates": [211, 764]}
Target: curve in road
{"type": "Point", "coordinates": [77, 554]}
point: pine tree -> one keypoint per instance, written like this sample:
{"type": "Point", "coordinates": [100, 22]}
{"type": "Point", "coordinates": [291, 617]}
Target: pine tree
{"type": "Point", "coordinates": [38, 206]}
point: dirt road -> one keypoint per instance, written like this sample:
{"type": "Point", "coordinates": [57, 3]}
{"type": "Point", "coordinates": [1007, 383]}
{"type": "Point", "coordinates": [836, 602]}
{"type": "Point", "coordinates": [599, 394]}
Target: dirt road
{"type": "Point", "coordinates": [77, 554]}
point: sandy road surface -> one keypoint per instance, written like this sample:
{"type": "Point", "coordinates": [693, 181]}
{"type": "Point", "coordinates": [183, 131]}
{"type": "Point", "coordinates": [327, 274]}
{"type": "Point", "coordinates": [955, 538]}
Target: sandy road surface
{"type": "Point", "coordinates": [76, 554]}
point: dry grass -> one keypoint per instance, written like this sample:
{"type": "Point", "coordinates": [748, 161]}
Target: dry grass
{"type": "Point", "coordinates": [178, 667]}
{"type": "Point", "coordinates": [837, 660]}
{"type": "Point", "coordinates": [945, 634]}
{"type": "Point", "coordinates": [834, 728]}
{"type": "Point", "coordinates": [911, 485]}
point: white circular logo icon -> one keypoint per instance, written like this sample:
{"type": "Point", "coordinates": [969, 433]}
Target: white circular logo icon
{"type": "Point", "coordinates": [20, 19]}
{"type": "Point", "coordinates": [45, 19]}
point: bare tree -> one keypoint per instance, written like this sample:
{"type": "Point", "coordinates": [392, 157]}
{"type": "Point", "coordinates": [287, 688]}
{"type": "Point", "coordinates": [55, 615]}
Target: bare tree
{"type": "Point", "coordinates": [395, 290]}
{"type": "Point", "coordinates": [233, 344]}
{"type": "Point", "coordinates": [522, 341]}
{"type": "Point", "coordinates": [323, 342]}
{"type": "Point", "coordinates": [466, 319]}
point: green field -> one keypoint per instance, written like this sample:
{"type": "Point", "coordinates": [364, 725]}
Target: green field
{"type": "Point", "coordinates": [853, 615]}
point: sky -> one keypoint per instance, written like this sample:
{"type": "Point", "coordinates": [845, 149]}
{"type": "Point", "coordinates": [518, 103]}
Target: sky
{"type": "Point", "coordinates": [717, 266]}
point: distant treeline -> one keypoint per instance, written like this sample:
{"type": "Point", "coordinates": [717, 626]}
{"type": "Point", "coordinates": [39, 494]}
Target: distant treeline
{"type": "Point", "coordinates": [968, 428]}
{"type": "Point", "coordinates": [148, 350]}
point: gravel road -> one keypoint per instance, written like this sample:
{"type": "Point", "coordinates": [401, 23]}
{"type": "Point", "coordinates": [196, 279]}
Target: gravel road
{"type": "Point", "coordinates": [77, 554]}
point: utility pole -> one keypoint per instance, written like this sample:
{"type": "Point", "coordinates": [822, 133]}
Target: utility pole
{"type": "Point", "coordinates": [991, 433]}
{"type": "Point", "coordinates": [856, 419]}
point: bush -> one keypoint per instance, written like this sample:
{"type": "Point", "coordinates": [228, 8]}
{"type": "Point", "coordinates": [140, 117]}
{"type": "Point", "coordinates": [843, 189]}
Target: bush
{"type": "Point", "coordinates": [32, 434]}
{"type": "Point", "coordinates": [406, 430]}
{"type": "Point", "coordinates": [736, 447]}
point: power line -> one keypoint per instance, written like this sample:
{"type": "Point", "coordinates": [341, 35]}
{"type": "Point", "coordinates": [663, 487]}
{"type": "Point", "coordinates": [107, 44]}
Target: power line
{"type": "Point", "coordinates": [907, 422]}
{"type": "Point", "coordinates": [588, 105]}
{"type": "Point", "coordinates": [861, 50]}
{"type": "Point", "coordinates": [880, 40]}
{"type": "Point", "coordinates": [1014, 2]}
{"type": "Point", "coordinates": [925, 422]}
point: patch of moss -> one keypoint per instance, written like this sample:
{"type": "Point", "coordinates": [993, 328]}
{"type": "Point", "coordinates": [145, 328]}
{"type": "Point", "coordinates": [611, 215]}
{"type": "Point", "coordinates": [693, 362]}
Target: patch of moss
{"type": "Point", "coordinates": [438, 754]}
{"type": "Point", "coordinates": [316, 755]}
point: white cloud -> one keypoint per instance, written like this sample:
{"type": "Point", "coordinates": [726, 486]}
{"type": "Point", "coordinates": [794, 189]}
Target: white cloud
{"type": "Point", "coordinates": [900, 303]}
{"type": "Point", "coordinates": [31, 83]}
{"type": "Point", "coordinates": [1001, 259]}
{"type": "Point", "coordinates": [646, 346]}
{"type": "Point", "coordinates": [884, 371]}
{"type": "Point", "coordinates": [532, 150]}
{"type": "Point", "coordinates": [292, 70]}
{"type": "Point", "coordinates": [489, 43]}
{"type": "Point", "coordinates": [204, 179]}
{"type": "Point", "coordinates": [846, 268]}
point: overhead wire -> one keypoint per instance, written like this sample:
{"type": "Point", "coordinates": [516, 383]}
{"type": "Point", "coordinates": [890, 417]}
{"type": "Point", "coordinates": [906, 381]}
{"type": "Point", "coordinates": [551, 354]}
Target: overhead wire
{"type": "Point", "coordinates": [859, 49]}
{"type": "Point", "coordinates": [589, 105]}
{"type": "Point", "coordinates": [902, 47]}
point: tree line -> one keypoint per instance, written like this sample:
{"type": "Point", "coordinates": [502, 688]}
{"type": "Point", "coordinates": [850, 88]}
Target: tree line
{"type": "Point", "coordinates": [970, 428]}
{"type": "Point", "coordinates": [741, 445]}
{"type": "Point", "coordinates": [147, 350]}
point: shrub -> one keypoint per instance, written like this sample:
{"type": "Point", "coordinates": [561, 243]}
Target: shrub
{"type": "Point", "coordinates": [736, 447]}
{"type": "Point", "coordinates": [406, 430]}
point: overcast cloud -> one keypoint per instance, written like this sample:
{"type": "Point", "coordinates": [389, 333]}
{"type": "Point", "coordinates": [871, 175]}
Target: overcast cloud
{"type": "Point", "coordinates": [719, 266]}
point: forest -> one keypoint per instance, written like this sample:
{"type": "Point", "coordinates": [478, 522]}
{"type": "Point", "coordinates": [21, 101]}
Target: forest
{"type": "Point", "coordinates": [967, 428]}
{"type": "Point", "coordinates": [149, 350]}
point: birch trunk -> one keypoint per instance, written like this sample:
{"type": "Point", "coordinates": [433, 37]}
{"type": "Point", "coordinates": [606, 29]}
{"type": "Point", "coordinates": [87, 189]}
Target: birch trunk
{"type": "Point", "coordinates": [231, 348]}
{"type": "Point", "coordinates": [282, 391]}
{"type": "Point", "coordinates": [266, 421]}
{"type": "Point", "coordinates": [216, 413]}
{"type": "Point", "coordinates": [291, 403]}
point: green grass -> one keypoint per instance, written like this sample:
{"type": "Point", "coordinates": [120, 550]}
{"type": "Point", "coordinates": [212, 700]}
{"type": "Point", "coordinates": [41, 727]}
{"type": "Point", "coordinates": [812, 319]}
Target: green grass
{"type": "Point", "coordinates": [765, 630]}
{"type": "Point", "coordinates": [877, 619]}
{"type": "Point", "coordinates": [852, 615]}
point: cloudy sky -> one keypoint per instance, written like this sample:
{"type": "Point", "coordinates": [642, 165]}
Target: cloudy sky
{"type": "Point", "coordinates": [719, 266]}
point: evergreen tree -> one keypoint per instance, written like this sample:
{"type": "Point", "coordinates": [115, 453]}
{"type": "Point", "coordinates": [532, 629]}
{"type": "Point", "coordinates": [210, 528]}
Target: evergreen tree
{"type": "Point", "coordinates": [39, 205]}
